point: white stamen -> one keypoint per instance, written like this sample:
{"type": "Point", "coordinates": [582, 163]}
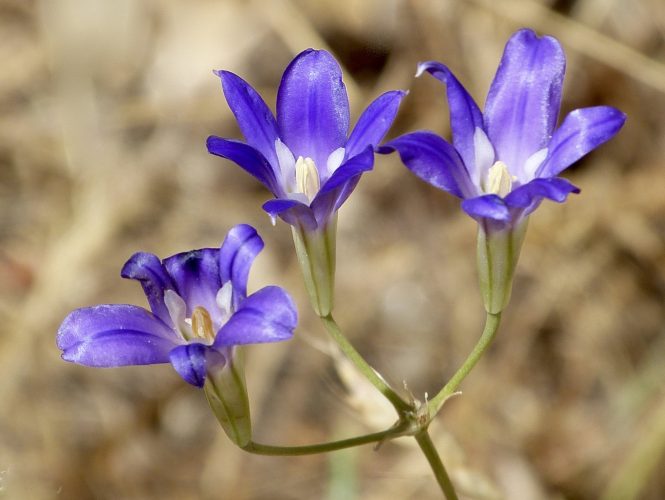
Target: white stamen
{"type": "Point", "coordinates": [202, 325]}
{"type": "Point", "coordinates": [499, 181]}
{"type": "Point", "coordinates": [335, 160]}
{"type": "Point", "coordinates": [307, 177]}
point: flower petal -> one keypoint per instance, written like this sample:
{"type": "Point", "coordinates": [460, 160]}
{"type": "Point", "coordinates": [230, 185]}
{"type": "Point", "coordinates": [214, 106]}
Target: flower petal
{"type": "Point", "coordinates": [582, 131]}
{"type": "Point", "coordinates": [489, 206]}
{"type": "Point", "coordinates": [268, 315]}
{"type": "Point", "coordinates": [524, 99]}
{"type": "Point", "coordinates": [115, 335]}
{"type": "Point", "coordinates": [292, 212]}
{"type": "Point", "coordinates": [192, 362]}
{"type": "Point", "coordinates": [374, 123]}
{"type": "Point", "coordinates": [197, 279]}
{"type": "Point", "coordinates": [312, 106]}
{"type": "Point", "coordinates": [148, 269]}
{"type": "Point", "coordinates": [465, 116]}
{"type": "Point", "coordinates": [241, 246]}
{"type": "Point", "coordinates": [433, 160]}
{"type": "Point", "coordinates": [529, 196]}
{"type": "Point", "coordinates": [254, 118]}
{"type": "Point", "coordinates": [246, 157]}
{"type": "Point", "coordinates": [341, 184]}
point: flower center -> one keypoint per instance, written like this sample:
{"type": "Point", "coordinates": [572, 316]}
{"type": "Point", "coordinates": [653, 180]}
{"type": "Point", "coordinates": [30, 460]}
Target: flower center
{"type": "Point", "coordinates": [307, 178]}
{"type": "Point", "coordinates": [200, 326]}
{"type": "Point", "coordinates": [498, 180]}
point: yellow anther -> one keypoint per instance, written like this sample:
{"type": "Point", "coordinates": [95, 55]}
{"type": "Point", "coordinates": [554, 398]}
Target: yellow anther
{"type": "Point", "coordinates": [499, 181]}
{"type": "Point", "coordinates": [202, 324]}
{"type": "Point", "coordinates": [307, 177]}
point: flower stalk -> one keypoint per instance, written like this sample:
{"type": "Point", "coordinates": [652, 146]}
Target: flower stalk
{"type": "Point", "coordinates": [397, 430]}
{"type": "Point", "coordinates": [364, 367]}
{"type": "Point", "coordinates": [427, 446]}
{"type": "Point", "coordinates": [492, 322]}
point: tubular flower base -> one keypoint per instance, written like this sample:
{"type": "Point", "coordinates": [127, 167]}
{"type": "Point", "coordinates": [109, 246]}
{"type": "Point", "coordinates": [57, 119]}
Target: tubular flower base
{"type": "Point", "coordinates": [498, 251]}
{"type": "Point", "coordinates": [316, 256]}
{"type": "Point", "coordinates": [200, 313]}
{"type": "Point", "coordinates": [505, 161]}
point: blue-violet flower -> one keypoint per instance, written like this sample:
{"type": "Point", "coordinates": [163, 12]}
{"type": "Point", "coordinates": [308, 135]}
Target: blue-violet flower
{"type": "Point", "coordinates": [505, 161]}
{"type": "Point", "coordinates": [304, 156]}
{"type": "Point", "coordinates": [200, 312]}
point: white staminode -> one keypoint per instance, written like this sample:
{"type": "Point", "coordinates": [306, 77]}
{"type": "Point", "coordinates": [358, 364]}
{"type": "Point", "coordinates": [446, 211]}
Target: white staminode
{"type": "Point", "coordinates": [335, 160]}
{"type": "Point", "coordinates": [307, 177]}
{"type": "Point", "coordinates": [499, 181]}
{"type": "Point", "coordinates": [483, 156]}
{"type": "Point", "coordinates": [532, 163]}
{"type": "Point", "coordinates": [286, 165]}
{"type": "Point", "coordinates": [224, 300]}
{"type": "Point", "coordinates": [177, 311]}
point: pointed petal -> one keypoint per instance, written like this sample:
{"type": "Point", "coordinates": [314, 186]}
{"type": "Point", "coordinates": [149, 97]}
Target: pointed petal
{"type": "Point", "coordinates": [192, 362]}
{"type": "Point", "coordinates": [197, 279]}
{"type": "Point", "coordinates": [489, 206]}
{"type": "Point", "coordinates": [292, 212]}
{"type": "Point", "coordinates": [268, 315]}
{"type": "Point", "coordinates": [433, 160]}
{"type": "Point", "coordinates": [254, 118]}
{"type": "Point", "coordinates": [582, 131]}
{"type": "Point", "coordinates": [465, 116]}
{"type": "Point", "coordinates": [374, 123]}
{"type": "Point", "coordinates": [241, 246]}
{"type": "Point", "coordinates": [529, 196]}
{"type": "Point", "coordinates": [312, 106]}
{"type": "Point", "coordinates": [149, 271]}
{"type": "Point", "coordinates": [115, 335]}
{"type": "Point", "coordinates": [524, 98]}
{"type": "Point", "coordinates": [341, 184]}
{"type": "Point", "coordinates": [247, 158]}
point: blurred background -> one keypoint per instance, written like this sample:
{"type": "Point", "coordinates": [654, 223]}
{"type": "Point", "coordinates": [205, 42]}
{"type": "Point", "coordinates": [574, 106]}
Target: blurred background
{"type": "Point", "coordinates": [105, 108]}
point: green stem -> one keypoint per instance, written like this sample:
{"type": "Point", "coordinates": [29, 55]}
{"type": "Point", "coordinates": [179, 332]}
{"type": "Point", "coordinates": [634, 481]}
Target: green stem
{"type": "Point", "coordinates": [427, 446]}
{"type": "Point", "coordinates": [370, 374]}
{"type": "Point", "coordinates": [377, 437]}
{"type": "Point", "coordinates": [491, 326]}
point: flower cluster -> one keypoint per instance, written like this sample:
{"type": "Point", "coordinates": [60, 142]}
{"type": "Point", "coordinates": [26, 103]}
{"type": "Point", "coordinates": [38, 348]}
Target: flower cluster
{"type": "Point", "coordinates": [502, 163]}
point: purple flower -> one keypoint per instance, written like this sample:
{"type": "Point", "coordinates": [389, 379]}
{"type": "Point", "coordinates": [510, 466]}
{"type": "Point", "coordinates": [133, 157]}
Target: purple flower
{"type": "Point", "coordinates": [199, 312]}
{"type": "Point", "coordinates": [505, 161]}
{"type": "Point", "coordinates": [304, 156]}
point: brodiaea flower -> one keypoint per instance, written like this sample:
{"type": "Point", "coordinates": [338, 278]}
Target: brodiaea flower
{"type": "Point", "coordinates": [505, 161]}
{"type": "Point", "coordinates": [199, 312]}
{"type": "Point", "coordinates": [304, 156]}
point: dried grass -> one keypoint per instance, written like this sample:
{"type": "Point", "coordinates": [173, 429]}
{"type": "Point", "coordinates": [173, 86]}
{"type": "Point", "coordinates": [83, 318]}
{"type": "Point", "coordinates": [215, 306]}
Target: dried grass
{"type": "Point", "coordinates": [105, 108]}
